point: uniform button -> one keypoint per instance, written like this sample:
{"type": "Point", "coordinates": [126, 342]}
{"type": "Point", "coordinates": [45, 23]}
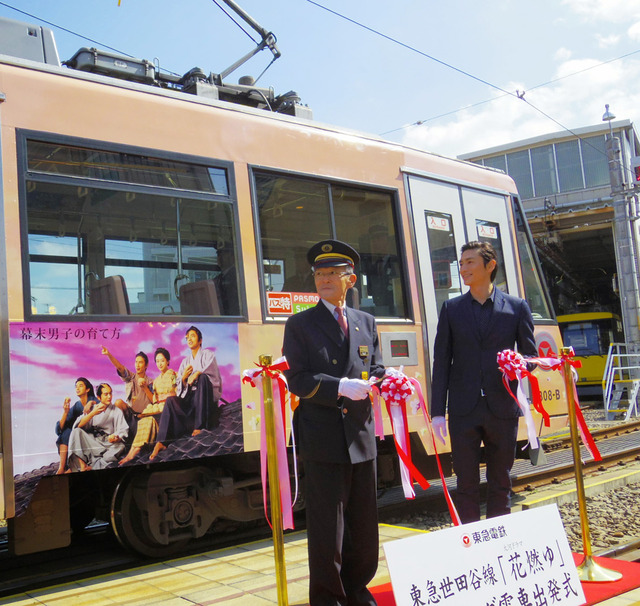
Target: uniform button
{"type": "Point", "coordinates": [345, 411]}
{"type": "Point", "coordinates": [334, 361]}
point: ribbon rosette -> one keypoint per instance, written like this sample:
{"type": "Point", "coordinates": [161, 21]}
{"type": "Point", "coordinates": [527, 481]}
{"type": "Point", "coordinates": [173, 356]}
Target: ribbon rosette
{"type": "Point", "coordinates": [274, 372]}
{"type": "Point", "coordinates": [514, 367]}
{"type": "Point", "coordinates": [396, 389]}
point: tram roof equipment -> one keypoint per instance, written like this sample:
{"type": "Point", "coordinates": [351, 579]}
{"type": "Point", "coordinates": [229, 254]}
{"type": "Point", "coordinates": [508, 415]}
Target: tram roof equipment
{"type": "Point", "coordinates": [36, 43]}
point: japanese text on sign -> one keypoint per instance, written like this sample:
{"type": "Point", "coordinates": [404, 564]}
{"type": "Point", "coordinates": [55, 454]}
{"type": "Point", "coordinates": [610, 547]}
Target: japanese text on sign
{"type": "Point", "coordinates": [523, 561]}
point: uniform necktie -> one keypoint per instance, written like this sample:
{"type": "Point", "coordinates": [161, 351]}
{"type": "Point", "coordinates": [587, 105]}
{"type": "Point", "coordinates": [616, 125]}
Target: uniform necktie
{"type": "Point", "coordinates": [339, 312]}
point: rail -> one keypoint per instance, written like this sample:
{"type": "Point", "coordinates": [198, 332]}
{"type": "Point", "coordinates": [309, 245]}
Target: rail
{"type": "Point", "coordinates": [621, 376]}
{"type": "Point", "coordinates": [94, 552]}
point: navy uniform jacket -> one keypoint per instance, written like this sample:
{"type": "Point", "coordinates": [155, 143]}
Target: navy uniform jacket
{"type": "Point", "coordinates": [329, 428]}
{"type": "Point", "coordinates": [464, 364]}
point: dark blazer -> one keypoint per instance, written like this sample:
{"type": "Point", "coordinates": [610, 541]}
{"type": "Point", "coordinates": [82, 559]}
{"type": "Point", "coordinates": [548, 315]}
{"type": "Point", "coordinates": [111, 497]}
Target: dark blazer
{"type": "Point", "coordinates": [463, 364]}
{"type": "Point", "coordinates": [328, 428]}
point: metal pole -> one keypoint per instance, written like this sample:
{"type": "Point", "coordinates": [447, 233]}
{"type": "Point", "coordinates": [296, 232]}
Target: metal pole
{"type": "Point", "coordinates": [588, 570]}
{"type": "Point", "coordinates": [274, 484]}
{"type": "Point", "coordinates": [623, 232]}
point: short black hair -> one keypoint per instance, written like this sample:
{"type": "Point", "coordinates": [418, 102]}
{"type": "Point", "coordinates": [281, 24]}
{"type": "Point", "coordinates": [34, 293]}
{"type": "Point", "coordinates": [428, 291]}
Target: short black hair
{"type": "Point", "coordinates": [164, 352]}
{"type": "Point", "coordinates": [196, 330]}
{"type": "Point", "coordinates": [144, 356]}
{"type": "Point", "coordinates": [487, 252]}
{"type": "Point", "coordinates": [101, 388]}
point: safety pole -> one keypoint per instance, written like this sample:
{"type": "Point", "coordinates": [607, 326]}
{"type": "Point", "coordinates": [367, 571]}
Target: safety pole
{"type": "Point", "coordinates": [274, 483]}
{"type": "Point", "coordinates": [588, 570]}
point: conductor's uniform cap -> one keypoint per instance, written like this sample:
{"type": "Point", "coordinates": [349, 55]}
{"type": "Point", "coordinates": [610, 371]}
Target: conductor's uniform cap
{"type": "Point", "coordinates": [332, 253]}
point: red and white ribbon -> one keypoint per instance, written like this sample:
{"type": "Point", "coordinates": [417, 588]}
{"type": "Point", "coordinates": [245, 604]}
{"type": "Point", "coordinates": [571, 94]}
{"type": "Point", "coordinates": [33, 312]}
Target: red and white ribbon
{"type": "Point", "coordinates": [396, 389]}
{"type": "Point", "coordinates": [514, 367]}
{"type": "Point", "coordinates": [274, 372]}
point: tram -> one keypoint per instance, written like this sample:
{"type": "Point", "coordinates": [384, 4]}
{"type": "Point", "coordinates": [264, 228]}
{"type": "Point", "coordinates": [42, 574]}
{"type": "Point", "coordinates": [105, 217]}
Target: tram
{"type": "Point", "coordinates": [590, 334]}
{"type": "Point", "coordinates": [135, 207]}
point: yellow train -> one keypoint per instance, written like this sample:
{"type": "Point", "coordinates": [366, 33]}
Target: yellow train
{"type": "Point", "coordinates": [590, 335]}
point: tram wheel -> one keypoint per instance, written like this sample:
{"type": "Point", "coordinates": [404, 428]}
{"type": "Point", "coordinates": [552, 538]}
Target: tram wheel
{"type": "Point", "coordinates": [131, 524]}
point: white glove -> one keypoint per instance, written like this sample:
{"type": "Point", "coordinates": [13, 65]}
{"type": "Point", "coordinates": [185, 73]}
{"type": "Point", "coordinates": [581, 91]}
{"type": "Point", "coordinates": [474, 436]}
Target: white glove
{"type": "Point", "coordinates": [439, 428]}
{"type": "Point", "coordinates": [354, 389]}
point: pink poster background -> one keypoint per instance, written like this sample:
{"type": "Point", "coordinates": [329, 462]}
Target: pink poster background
{"type": "Point", "coordinates": [48, 357]}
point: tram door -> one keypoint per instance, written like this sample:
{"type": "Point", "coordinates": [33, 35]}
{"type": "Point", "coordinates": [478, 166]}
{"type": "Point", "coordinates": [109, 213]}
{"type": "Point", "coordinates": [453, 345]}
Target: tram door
{"type": "Point", "coordinates": [446, 216]}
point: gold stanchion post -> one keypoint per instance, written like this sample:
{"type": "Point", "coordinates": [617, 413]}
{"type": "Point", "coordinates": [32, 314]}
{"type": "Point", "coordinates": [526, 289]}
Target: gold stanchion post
{"type": "Point", "coordinates": [274, 492]}
{"type": "Point", "coordinates": [588, 570]}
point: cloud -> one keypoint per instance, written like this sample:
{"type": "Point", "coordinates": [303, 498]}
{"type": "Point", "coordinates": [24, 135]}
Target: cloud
{"type": "Point", "coordinates": [563, 54]}
{"type": "Point", "coordinates": [611, 11]}
{"type": "Point", "coordinates": [634, 32]}
{"type": "Point", "coordinates": [572, 102]}
{"type": "Point", "coordinates": [607, 41]}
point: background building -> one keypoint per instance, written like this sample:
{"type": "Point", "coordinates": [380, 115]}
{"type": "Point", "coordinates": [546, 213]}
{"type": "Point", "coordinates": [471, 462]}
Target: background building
{"type": "Point", "coordinates": [564, 182]}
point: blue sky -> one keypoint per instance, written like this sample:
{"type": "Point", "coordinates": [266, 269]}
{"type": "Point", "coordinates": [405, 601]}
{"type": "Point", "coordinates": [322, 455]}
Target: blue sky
{"type": "Point", "coordinates": [354, 78]}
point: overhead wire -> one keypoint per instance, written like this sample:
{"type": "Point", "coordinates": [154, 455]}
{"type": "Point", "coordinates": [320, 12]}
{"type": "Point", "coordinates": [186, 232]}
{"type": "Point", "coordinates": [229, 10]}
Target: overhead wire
{"type": "Point", "coordinates": [518, 94]}
{"type": "Point", "coordinates": [64, 29]}
{"type": "Point", "coordinates": [107, 46]}
{"type": "Point", "coordinates": [240, 26]}
{"type": "Point", "coordinates": [542, 84]}
{"type": "Point", "coordinates": [463, 72]}
{"type": "Point", "coordinates": [409, 47]}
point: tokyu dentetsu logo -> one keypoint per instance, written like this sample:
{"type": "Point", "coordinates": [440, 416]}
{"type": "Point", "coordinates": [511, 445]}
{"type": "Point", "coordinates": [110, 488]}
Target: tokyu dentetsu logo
{"type": "Point", "coordinates": [546, 345]}
{"type": "Point", "coordinates": [483, 536]}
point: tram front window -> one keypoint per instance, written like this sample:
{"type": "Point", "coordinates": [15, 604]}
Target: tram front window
{"type": "Point", "coordinates": [154, 245]}
{"type": "Point", "coordinates": [586, 338]}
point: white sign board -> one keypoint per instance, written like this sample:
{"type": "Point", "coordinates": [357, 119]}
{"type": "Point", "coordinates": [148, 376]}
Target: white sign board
{"type": "Point", "coordinates": [521, 558]}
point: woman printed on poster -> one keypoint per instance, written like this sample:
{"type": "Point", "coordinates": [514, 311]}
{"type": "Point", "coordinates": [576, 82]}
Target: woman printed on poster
{"type": "Point", "coordinates": [164, 386]}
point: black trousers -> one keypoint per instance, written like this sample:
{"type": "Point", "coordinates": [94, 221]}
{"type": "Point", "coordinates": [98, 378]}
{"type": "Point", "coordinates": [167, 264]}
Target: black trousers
{"type": "Point", "coordinates": [499, 437]}
{"type": "Point", "coordinates": [197, 409]}
{"type": "Point", "coordinates": [342, 530]}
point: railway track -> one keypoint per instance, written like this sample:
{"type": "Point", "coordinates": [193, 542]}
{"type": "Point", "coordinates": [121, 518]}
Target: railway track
{"type": "Point", "coordinates": [618, 445]}
{"type": "Point", "coordinates": [96, 551]}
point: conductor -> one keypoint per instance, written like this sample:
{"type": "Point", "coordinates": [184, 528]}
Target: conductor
{"type": "Point", "coordinates": [332, 353]}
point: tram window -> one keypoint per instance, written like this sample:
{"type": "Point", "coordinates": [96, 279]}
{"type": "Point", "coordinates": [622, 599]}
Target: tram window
{"type": "Point", "coordinates": [365, 219]}
{"type": "Point", "coordinates": [295, 213]}
{"type": "Point", "coordinates": [586, 338]}
{"type": "Point", "coordinates": [54, 283]}
{"type": "Point", "coordinates": [80, 234]}
{"type": "Point", "coordinates": [488, 231]}
{"type": "Point", "coordinates": [534, 289]}
{"type": "Point", "coordinates": [444, 256]}
{"type": "Point", "coordinates": [75, 161]}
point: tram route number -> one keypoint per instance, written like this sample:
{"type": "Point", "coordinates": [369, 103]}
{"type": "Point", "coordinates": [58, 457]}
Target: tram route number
{"type": "Point", "coordinates": [550, 394]}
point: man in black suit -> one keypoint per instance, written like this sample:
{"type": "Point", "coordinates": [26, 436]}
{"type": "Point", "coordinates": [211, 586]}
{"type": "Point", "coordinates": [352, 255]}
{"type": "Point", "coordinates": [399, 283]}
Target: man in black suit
{"type": "Point", "coordinates": [331, 360]}
{"type": "Point", "coordinates": [472, 329]}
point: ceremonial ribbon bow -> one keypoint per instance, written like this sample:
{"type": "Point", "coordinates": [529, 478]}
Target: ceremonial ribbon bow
{"type": "Point", "coordinates": [274, 372]}
{"type": "Point", "coordinates": [396, 389]}
{"type": "Point", "coordinates": [514, 367]}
